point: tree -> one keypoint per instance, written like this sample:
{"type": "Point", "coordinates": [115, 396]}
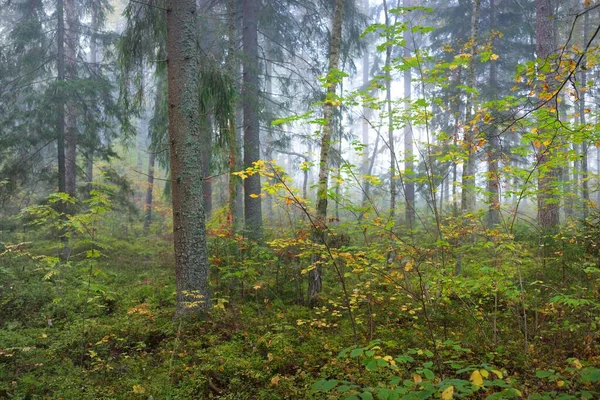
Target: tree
{"type": "Point", "coordinates": [469, 166]}
{"type": "Point", "coordinates": [548, 211]}
{"type": "Point", "coordinates": [333, 76]}
{"type": "Point", "coordinates": [409, 186]}
{"type": "Point", "coordinates": [189, 226]}
{"type": "Point", "coordinates": [250, 91]}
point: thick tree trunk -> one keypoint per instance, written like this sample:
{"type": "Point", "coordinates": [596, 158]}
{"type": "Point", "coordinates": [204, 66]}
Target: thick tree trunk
{"type": "Point", "coordinates": [70, 51]}
{"type": "Point", "coordinates": [548, 209]}
{"type": "Point", "coordinates": [468, 173]}
{"type": "Point", "coordinates": [409, 185]}
{"type": "Point", "coordinates": [189, 227]}
{"type": "Point", "coordinates": [234, 184]}
{"type": "Point", "coordinates": [250, 91]}
{"type": "Point", "coordinates": [314, 279]}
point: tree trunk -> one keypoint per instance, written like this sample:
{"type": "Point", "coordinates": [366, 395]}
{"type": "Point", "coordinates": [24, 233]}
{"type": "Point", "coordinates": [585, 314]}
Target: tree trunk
{"type": "Point", "coordinates": [367, 114]}
{"type": "Point", "coordinates": [189, 226]}
{"type": "Point", "coordinates": [409, 184]}
{"type": "Point", "coordinates": [493, 181]}
{"type": "Point", "coordinates": [250, 91]}
{"type": "Point", "coordinates": [390, 123]}
{"type": "Point", "coordinates": [270, 134]}
{"type": "Point", "coordinates": [235, 183]}
{"type": "Point", "coordinates": [548, 210]}
{"type": "Point", "coordinates": [468, 173]}
{"type": "Point", "coordinates": [585, 190]}
{"type": "Point", "coordinates": [89, 170]}
{"type": "Point", "coordinates": [314, 279]}
{"type": "Point", "coordinates": [70, 51]}
{"type": "Point", "coordinates": [206, 134]}
{"type": "Point", "coordinates": [149, 191]}
{"type": "Point", "coordinates": [60, 117]}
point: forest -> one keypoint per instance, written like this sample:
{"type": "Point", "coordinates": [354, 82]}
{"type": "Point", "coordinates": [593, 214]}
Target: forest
{"type": "Point", "coordinates": [300, 199]}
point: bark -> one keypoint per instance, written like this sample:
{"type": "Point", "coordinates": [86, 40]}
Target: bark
{"type": "Point", "coordinates": [70, 52]}
{"type": "Point", "coordinates": [468, 173]}
{"type": "Point", "coordinates": [548, 209]}
{"type": "Point", "coordinates": [250, 91]}
{"type": "Point", "coordinates": [149, 191]}
{"type": "Point", "coordinates": [388, 99]}
{"type": "Point", "coordinates": [367, 113]}
{"type": "Point", "coordinates": [566, 170]}
{"type": "Point", "coordinates": [89, 170]}
{"type": "Point", "coordinates": [206, 134]}
{"type": "Point", "coordinates": [60, 117]}
{"type": "Point", "coordinates": [314, 279]}
{"type": "Point", "coordinates": [233, 215]}
{"type": "Point", "coordinates": [409, 186]}
{"type": "Point", "coordinates": [493, 181]}
{"type": "Point", "coordinates": [269, 141]}
{"type": "Point", "coordinates": [189, 226]}
{"type": "Point", "coordinates": [585, 190]}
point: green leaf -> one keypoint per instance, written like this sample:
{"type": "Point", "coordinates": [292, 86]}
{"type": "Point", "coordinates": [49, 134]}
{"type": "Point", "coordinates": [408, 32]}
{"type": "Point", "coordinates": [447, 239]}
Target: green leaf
{"type": "Point", "coordinates": [328, 385]}
{"type": "Point", "coordinates": [357, 353]}
{"type": "Point", "coordinates": [590, 374]}
{"type": "Point", "coordinates": [543, 374]}
{"type": "Point", "coordinates": [429, 374]}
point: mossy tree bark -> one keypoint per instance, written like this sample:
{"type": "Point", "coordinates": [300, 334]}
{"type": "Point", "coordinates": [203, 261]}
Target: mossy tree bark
{"type": "Point", "coordinates": [189, 226]}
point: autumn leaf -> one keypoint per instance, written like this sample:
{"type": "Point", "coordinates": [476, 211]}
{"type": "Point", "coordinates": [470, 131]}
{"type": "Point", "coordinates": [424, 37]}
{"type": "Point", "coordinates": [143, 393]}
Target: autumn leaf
{"type": "Point", "coordinates": [476, 378]}
{"type": "Point", "coordinates": [448, 393]}
{"type": "Point", "coordinates": [275, 380]}
{"type": "Point", "coordinates": [493, 57]}
{"type": "Point", "coordinates": [139, 389]}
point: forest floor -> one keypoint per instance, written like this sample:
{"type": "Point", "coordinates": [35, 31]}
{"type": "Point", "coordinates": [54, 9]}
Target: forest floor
{"type": "Point", "coordinates": [103, 328]}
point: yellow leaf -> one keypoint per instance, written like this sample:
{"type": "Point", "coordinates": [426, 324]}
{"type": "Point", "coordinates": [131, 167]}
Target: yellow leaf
{"type": "Point", "coordinates": [254, 195]}
{"type": "Point", "coordinates": [494, 57]}
{"type": "Point", "coordinates": [138, 389]}
{"type": "Point", "coordinates": [408, 266]}
{"type": "Point", "coordinates": [484, 373]}
{"type": "Point", "coordinates": [560, 383]}
{"type": "Point", "coordinates": [498, 373]}
{"type": "Point", "coordinates": [417, 378]}
{"type": "Point", "coordinates": [577, 364]}
{"type": "Point", "coordinates": [275, 380]}
{"type": "Point", "coordinates": [476, 378]}
{"type": "Point", "coordinates": [448, 393]}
